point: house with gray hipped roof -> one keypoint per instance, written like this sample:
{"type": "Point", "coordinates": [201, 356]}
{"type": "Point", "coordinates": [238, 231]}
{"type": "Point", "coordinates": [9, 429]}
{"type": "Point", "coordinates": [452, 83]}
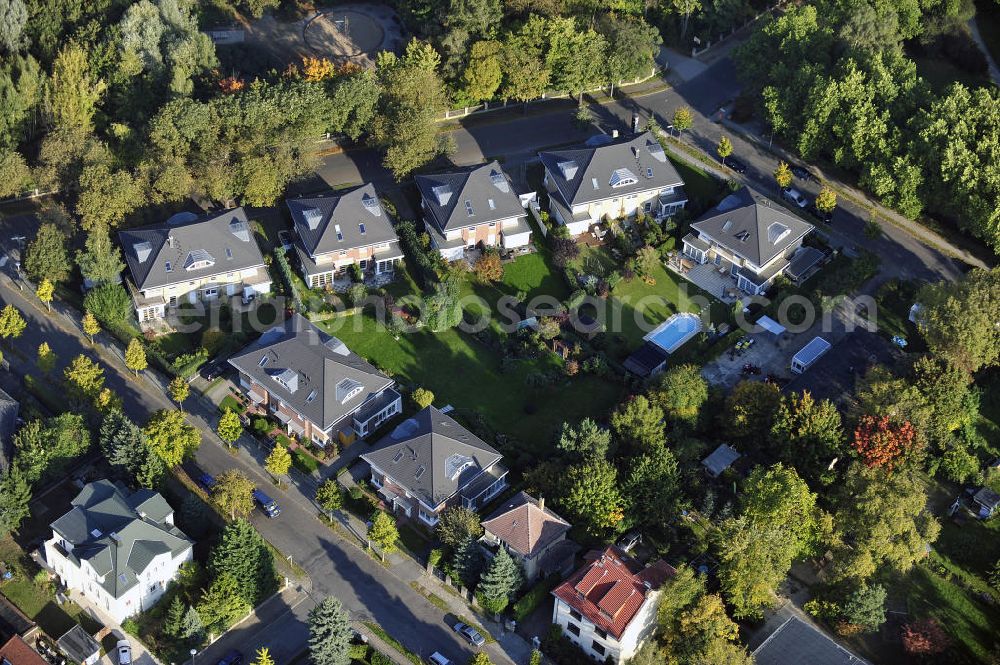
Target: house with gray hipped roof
{"type": "Point", "coordinates": [749, 237]}
{"type": "Point", "coordinates": [314, 384]}
{"type": "Point", "coordinates": [119, 549]}
{"type": "Point", "coordinates": [797, 641]}
{"type": "Point", "coordinates": [191, 258]}
{"type": "Point", "coordinates": [472, 206]}
{"type": "Point", "coordinates": [616, 179]}
{"type": "Point", "coordinates": [335, 230]}
{"type": "Point", "coordinates": [429, 462]}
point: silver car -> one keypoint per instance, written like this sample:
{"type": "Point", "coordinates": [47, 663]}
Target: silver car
{"type": "Point", "coordinates": [471, 635]}
{"type": "Point", "coordinates": [124, 650]}
{"type": "Point", "coordinates": [795, 197]}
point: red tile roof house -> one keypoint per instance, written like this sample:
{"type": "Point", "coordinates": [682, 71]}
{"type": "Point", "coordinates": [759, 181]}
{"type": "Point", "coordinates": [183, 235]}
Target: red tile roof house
{"type": "Point", "coordinates": [533, 535]}
{"type": "Point", "coordinates": [17, 652]}
{"type": "Point", "coordinates": [608, 607]}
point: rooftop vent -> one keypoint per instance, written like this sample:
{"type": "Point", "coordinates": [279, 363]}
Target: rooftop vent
{"type": "Point", "coordinates": [312, 217]}
{"type": "Point", "coordinates": [568, 169]}
{"type": "Point", "coordinates": [622, 178]}
{"type": "Point", "coordinates": [240, 229]}
{"type": "Point", "coordinates": [442, 193]}
{"type": "Point", "coordinates": [142, 250]}
{"type": "Point", "coordinates": [371, 204]}
{"type": "Point", "coordinates": [115, 537]}
{"type": "Point", "coordinates": [348, 388]}
{"type": "Point", "coordinates": [198, 259]}
{"type": "Point", "coordinates": [499, 181]}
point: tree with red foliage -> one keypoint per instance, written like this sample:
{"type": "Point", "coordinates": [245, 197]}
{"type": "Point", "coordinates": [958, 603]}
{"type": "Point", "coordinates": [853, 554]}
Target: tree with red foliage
{"type": "Point", "coordinates": [924, 637]}
{"type": "Point", "coordinates": [880, 442]}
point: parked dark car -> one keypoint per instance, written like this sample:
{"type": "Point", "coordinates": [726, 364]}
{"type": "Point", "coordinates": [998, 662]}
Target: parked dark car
{"type": "Point", "coordinates": [232, 657]}
{"type": "Point", "coordinates": [213, 369]}
{"type": "Point", "coordinates": [802, 173]}
{"type": "Point", "coordinates": [266, 503]}
{"type": "Point", "coordinates": [206, 481]}
{"type": "Point", "coordinates": [736, 165]}
{"type": "Point", "coordinates": [825, 217]}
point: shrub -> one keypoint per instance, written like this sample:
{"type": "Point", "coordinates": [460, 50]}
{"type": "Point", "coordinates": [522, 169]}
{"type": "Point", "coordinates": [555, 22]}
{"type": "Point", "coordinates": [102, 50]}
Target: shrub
{"type": "Point", "coordinates": [489, 267]}
{"type": "Point", "coordinates": [356, 274]}
{"type": "Point", "coordinates": [110, 303]}
{"type": "Point", "coordinates": [286, 275]}
{"type": "Point", "coordinates": [532, 598]}
{"type": "Point", "coordinates": [356, 293]}
{"type": "Point", "coordinates": [564, 250]}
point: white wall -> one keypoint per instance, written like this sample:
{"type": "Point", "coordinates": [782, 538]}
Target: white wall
{"type": "Point", "coordinates": [152, 582]}
{"type": "Point", "coordinates": [639, 629]}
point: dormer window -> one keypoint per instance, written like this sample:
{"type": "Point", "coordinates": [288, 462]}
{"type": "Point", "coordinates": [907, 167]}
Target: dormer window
{"type": "Point", "coordinates": [288, 379]}
{"type": "Point", "coordinates": [198, 259]}
{"type": "Point", "coordinates": [623, 178]}
{"type": "Point", "coordinates": [348, 389]}
{"type": "Point", "coordinates": [455, 464]}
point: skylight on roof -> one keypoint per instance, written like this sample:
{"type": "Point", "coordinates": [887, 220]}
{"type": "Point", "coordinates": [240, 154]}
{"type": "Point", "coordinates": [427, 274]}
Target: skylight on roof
{"type": "Point", "coordinates": [340, 235]}
{"type": "Point", "coordinates": [499, 181]}
{"type": "Point", "coordinates": [361, 227]}
{"type": "Point", "coordinates": [649, 172]}
{"type": "Point", "coordinates": [420, 472]}
{"type": "Point", "coordinates": [442, 193]}
{"type": "Point", "coordinates": [469, 209]}
{"type": "Point", "coordinates": [492, 204]}
{"type": "Point", "coordinates": [142, 250]}
{"type": "Point", "coordinates": [96, 533]}
{"type": "Point", "coordinates": [263, 360]}
{"type": "Point", "coordinates": [777, 232]}
{"type": "Point", "coordinates": [167, 267]}
{"type": "Point", "coordinates": [371, 204]}
{"type": "Point", "coordinates": [229, 254]}
{"type": "Point", "coordinates": [398, 456]}
{"type": "Point", "coordinates": [312, 396]}
{"type": "Point", "coordinates": [568, 168]}
{"type": "Point", "coordinates": [743, 236]}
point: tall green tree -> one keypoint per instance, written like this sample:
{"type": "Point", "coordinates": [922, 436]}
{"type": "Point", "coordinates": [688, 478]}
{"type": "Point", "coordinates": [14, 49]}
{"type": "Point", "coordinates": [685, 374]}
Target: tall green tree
{"type": "Point", "coordinates": [586, 440]}
{"type": "Point", "coordinates": [749, 409]}
{"type": "Point", "coordinates": [171, 437]}
{"type": "Point", "coordinates": [632, 46]}
{"type": "Point", "coordinates": [12, 324]}
{"type": "Point", "coordinates": [330, 634]}
{"type": "Point", "coordinates": [230, 428]}
{"type": "Point", "coordinates": [652, 488]}
{"type": "Point", "coordinates": [15, 495]}
{"type": "Point", "coordinates": [681, 392]}
{"type": "Point", "coordinates": [467, 562]}
{"type": "Point", "coordinates": [383, 532]}
{"type": "Point", "coordinates": [498, 584]}
{"type": "Point", "coordinates": [100, 260]}
{"type": "Point", "coordinates": [458, 524]}
{"type": "Point", "coordinates": [353, 103]}
{"type": "Point", "coordinates": [808, 435]}
{"type": "Point", "coordinates": [84, 379]}
{"type": "Point", "coordinates": [222, 604]}
{"type": "Point", "coordinates": [639, 424]}
{"type": "Point", "coordinates": [13, 18]}
{"type": "Point", "coordinates": [46, 256]}
{"type": "Point", "coordinates": [592, 496]}
{"type": "Point", "coordinates": [15, 175]}
{"type": "Point", "coordinates": [124, 446]}
{"type": "Point", "coordinates": [959, 318]}
{"type": "Point", "coordinates": [74, 92]}
{"type": "Point", "coordinates": [135, 356]}
{"type": "Point", "coordinates": [482, 75]}
{"type": "Point", "coordinates": [575, 57]}
{"type": "Point", "coordinates": [526, 74]}
{"type": "Point", "coordinates": [244, 555]}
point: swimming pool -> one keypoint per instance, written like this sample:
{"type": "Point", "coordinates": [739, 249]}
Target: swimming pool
{"type": "Point", "coordinates": [672, 333]}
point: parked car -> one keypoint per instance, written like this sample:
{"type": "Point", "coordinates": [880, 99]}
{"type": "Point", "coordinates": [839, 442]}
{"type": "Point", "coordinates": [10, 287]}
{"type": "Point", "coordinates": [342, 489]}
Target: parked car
{"type": "Point", "coordinates": [266, 503]}
{"type": "Point", "coordinates": [825, 217]}
{"type": "Point", "coordinates": [232, 657]}
{"type": "Point", "coordinates": [206, 481]}
{"type": "Point", "coordinates": [802, 173]}
{"type": "Point", "coordinates": [472, 636]}
{"type": "Point", "coordinates": [214, 369]}
{"type": "Point", "coordinates": [795, 196]}
{"type": "Point", "coordinates": [630, 540]}
{"type": "Point", "coordinates": [437, 659]}
{"type": "Point", "coordinates": [124, 650]}
{"type": "Point", "coordinates": [736, 165]}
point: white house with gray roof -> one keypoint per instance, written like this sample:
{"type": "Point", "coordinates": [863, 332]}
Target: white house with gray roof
{"type": "Point", "coordinates": [749, 237]}
{"type": "Point", "coordinates": [192, 258]}
{"type": "Point", "coordinates": [120, 549]}
{"type": "Point", "coordinates": [613, 180]}
{"type": "Point", "coordinates": [336, 230]}
{"type": "Point", "coordinates": [472, 206]}
{"type": "Point", "coordinates": [430, 462]}
{"type": "Point", "coordinates": [314, 384]}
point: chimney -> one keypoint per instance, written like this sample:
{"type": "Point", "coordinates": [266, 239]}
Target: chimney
{"type": "Point", "coordinates": [541, 503]}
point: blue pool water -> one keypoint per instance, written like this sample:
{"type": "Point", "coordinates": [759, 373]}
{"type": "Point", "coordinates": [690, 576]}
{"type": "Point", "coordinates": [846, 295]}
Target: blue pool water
{"type": "Point", "coordinates": [676, 330]}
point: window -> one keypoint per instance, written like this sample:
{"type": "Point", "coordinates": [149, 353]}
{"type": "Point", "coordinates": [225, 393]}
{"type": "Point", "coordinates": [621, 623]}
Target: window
{"type": "Point", "coordinates": [603, 634]}
{"type": "Point", "coordinates": [597, 647]}
{"type": "Point", "coordinates": [576, 615]}
{"type": "Point", "coordinates": [647, 206]}
{"type": "Point", "coordinates": [573, 628]}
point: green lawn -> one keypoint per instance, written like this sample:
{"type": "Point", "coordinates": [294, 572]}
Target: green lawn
{"type": "Point", "coordinates": [703, 190]}
{"type": "Point", "coordinates": [462, 372]}
{"type": "Point", "coordinates": [38, 601]}
{"type": "Point", "coordinates": [971, 623]}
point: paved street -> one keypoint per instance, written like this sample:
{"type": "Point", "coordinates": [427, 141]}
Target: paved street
{"type": "Point", "coordinates": [516, 140]}
{"type": "Point", "coordinates": [335, 567]}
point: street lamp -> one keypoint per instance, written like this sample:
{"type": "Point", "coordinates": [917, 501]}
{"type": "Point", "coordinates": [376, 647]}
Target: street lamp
{"type": "Point", "coordinates": [193, 652]}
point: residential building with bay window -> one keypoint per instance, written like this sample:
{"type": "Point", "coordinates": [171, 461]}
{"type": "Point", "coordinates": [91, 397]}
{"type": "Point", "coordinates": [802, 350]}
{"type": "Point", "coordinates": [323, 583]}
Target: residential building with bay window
{"type": "Point", "coordinates": [429, 462]}
{"type": "Point", "coordinates": [337, 230]}
{"type": "Point", "coordinates": [617, 179]}
{"type": "Point", "coordinates": [192, 258]}
{"type": "Point", "coordinates": [317, 387]}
